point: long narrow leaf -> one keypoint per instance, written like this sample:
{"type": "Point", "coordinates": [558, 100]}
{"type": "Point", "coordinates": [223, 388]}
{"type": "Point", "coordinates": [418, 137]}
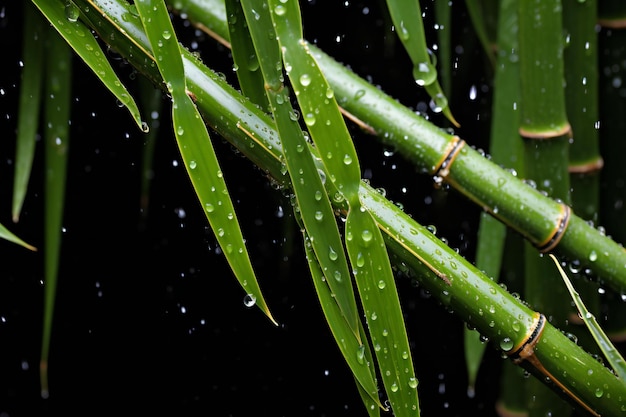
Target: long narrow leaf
{"type": "Point", "coordinates": [11, 237]}
{"type": "Point", "coordinates": [56, 140]}
{"type": "Point", "coordinates": [311, 198]}
{"type": "Point", "coordinates": [29, 105]}
{"type": "Point", "coordinates": [364, 241]}
{"type": "Point", "coordinates": [65, 20]}
{"type": "Point", "coordinates": [407, 19]}
{"type": "Point", "coordinates": [604, 343]}
{"type": "Point", "coordinates": [196, 149]}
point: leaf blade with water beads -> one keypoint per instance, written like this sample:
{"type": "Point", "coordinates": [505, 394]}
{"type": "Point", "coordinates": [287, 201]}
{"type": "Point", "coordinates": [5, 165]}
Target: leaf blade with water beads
{"type": "Point", "coordinates": [311, 198]}
{"type": "Point", "coordinates": [604, 343]}
{"type": "Point", "coordinates": [407, 19]}
{"type": "Point", "coordinates": [317, 102]}
{"type": "Point", "coordinates": [65, 20]}
{"type": "Point", "coordinates": [357, 355]}
{"type": "Point", "coordinates": [244, 54]}
{"type": "Point", "coordinates": [364, 242]}
{"type": "Point", "coordinates": [195, 146]}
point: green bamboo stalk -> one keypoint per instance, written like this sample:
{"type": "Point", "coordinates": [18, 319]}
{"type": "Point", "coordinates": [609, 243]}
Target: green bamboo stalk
{"type": "Point", "coordinates": [612, 52]}
{"type": "Point", "coordinates": [546, 134]}
{"type": "Point", "coordinates": [506, 148]}
{"type": "Point", "coordinates": [581, 93]}
{"type": "Point", "coordinates": [521, 207]}
{"type": "Point", "coordinates": [465, 289]}
{"type": "Point", "coordinates": [57, 105]}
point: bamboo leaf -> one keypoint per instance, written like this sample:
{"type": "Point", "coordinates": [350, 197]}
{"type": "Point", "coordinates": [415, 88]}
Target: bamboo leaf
{"type": "Point", "coordinates": [364, 242]}
{"type": "Point", "coordinates": [317, 102]}
{"type": "Point", "coordinates": [11, 237]}
{"type": "Point", "coordinates": [407, 19]}
{"type": "Point", "coordinates": [29, 105]}
{"type": "Point", "coordinates": [65, 19]}
{"type": "Point", "coordinates": [196, 149]}
{"type": "Point", "coordinates": [311, 198]}
{"type": "Point", "coordinates": [357, 355]}
{"type": "Point", "coordinates": [57, 106]}
{"type": "Point", "coordinates": [244, 53]}
{"type": "Point", "coordinates": [604, 343]}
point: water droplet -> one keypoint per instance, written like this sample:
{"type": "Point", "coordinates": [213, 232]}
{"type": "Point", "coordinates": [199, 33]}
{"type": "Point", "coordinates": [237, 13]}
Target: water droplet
{"type": "Point", "coordinates": [337, 276]}
{"type": "Point", "coordinates": [309, 119]}
{"type": "Point", "coordinates": [318, 195]}
{"type": "Point", "coordinates": [166, 34]}
{"type": "Point", "coordinates": [424, 73]}
{"type": "Point", "coordinates": [180, 130]}
{"type": "Point", "coordinates": [209, 207]}
{"type": "Point", "coordinates": [374, 316]}
{"type": "Point", "coordinates": [347, 159]}
{"type": "Point", "coordinates": [332, 254]}
{"type": "Point", "coordinates": [305, 80]}
{"type": "Point", "coordinates": [359, 94]}
{"type": "Point", "coordinates": [249, 300]}
{"type": "Point", "coordinates": [366, 235]}
{"type": "Point", "coordinates": [381, 284]}
{"type": "Point", "coordinates": [599, 392]}
{"type": "Point", "coordinates": [405, 355]}
{"type": "Point", "coordinates": [394, 387]}
{"type": "Point", "coordinates": [319, 215]}
{"type": "Point", "coordinates": [192, 164]}
{"type": "Point", "coordinates": [593, 256]}
{"type": "Point", "coordinates": [506, 344]}
{"type": "Point", "coordinates": [413, 382]}
{"type": "Point", "coordinates": [438, 103]}
{"type": "Point", "coordinates": [72, 13]}
{"type": "Point", "coordinates": [360, 260]}
{"type": "Point", "coordinates": [360, 354]}
{"type": "Point", "coordinates": [280, 10]}
{"type": "Point", "coordinates": [329, 93]}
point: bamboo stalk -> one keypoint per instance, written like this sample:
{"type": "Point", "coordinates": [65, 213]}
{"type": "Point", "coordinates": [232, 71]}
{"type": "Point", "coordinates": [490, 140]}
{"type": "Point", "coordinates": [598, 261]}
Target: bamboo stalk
{"type": "Point", "coordinates": [497, 314]}
{"type": "Point", "coordinates": [526, 210]}
{"type": "Point", "coordinates": [546, 134]}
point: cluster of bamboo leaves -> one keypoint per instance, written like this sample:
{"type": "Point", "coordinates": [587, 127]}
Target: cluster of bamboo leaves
{"type": "Point", "coordinates": [287, 118]}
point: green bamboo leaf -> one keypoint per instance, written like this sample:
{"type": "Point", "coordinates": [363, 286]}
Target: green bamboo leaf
{"type": "Point", "coordinates": [317, 102]}
{"type": "Point", "coordinates": [358, 356]}
{"type": "Point", "coordinates": [244, 53]}
{"type": "Point", "coordinates": [604, 343]}
{"type": "Point", "coordinates": [381, 306]}
{"type": "Point", "coordinates": [11, 237]}
{"type": "Point", "coordinates": [407, 19]}
{"type": "Point", "coordinates": [29, 105]}
{"type": "Point", "coordinates": [57, 106]}
{"type": "Point", "coordinates": [195, 146]}
{"type": "Point", "coordinates": [65, 19]}
{"type": "Point", "coordinates": [311, 198]}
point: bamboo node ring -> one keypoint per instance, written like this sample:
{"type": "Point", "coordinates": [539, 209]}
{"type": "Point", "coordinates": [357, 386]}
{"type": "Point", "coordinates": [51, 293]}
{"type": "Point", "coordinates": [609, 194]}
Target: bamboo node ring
{"type": "Point", "coordinates": [557, 234]}
{"type": "Point", "coordinates": [526, 348]}
{"type": "Point", "coordinates": [442, 169]}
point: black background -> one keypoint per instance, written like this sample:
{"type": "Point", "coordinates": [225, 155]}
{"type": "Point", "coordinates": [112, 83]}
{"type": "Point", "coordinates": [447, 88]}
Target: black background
{"type": "Point", "coordinates": [149, 317]}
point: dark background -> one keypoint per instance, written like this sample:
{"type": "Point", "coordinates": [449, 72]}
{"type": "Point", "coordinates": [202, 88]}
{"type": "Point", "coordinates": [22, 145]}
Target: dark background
{"type": "Point", "coordinates": [149, 317]}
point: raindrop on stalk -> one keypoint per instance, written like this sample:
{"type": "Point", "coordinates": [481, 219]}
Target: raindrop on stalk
{"type": "Point", "coordinates": [71, 12]}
